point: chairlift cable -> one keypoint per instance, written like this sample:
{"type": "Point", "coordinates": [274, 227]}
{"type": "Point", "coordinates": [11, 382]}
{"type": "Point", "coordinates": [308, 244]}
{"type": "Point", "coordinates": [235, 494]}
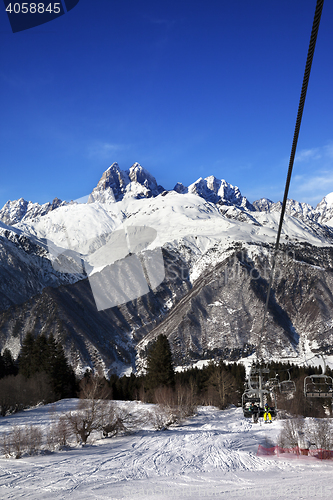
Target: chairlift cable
{"type": "Point", "coordinates": [312, 44]}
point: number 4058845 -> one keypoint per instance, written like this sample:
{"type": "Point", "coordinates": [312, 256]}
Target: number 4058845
{"type": "Point", "coordinates": [33, 8]}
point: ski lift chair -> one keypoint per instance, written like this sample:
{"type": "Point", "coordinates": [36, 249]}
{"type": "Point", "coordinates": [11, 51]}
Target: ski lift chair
{"type": "Point", "coordinates": [287, 386]}
{"type": "Point", "coordinates": [252, 396]}
{"type": "Point", "coordinates": [318, 386]}
{"type": "Point", "coordinates": [248, 398]}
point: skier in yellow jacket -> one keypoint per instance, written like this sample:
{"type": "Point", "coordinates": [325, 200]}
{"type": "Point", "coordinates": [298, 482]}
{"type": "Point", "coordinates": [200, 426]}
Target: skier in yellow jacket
{"type": "Point", "coordinates": [267, 414]}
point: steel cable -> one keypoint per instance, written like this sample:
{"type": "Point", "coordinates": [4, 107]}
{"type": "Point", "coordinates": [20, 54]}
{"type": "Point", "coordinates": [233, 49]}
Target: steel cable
{"type": "Point", "coordinates": [312, 44]}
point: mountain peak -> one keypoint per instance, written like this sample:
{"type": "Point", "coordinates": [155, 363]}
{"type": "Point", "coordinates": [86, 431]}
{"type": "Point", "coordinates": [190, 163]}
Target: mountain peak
{"type": "Point", "coordinates": [19, 210]}
{"type": "Point", "coordinates": [219, 191]}
{"type": "Point", "coordinates": [116, 184]}
{"type": "Point", "coordinates": [328, 199]}
{"type": "Point", "coordinates": [180, 188]}
{"type": "Point", "coordinates": [139, 174]}
{"type": "Point", "coordinates": [324, 210]}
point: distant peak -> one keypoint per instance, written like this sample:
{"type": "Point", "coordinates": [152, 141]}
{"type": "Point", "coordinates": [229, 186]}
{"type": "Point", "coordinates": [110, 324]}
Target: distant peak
{"type": "Point", "coordinates": [136, 167]}
{"type": "Point", "coordinates": [180, 188]}
{"type": "Point", "coordinates": [219, 191]}
{"type": "Point", "coordinates": [115, 184]}
{"type": "Point", "coordinates": [112, 167]}
{"type": "Point", "coordinates": [329, 199]}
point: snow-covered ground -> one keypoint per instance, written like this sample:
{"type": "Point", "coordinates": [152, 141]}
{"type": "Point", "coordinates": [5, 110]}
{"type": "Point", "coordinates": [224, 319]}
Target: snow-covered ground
{"type": "Point", "coordinates": [212, 455]}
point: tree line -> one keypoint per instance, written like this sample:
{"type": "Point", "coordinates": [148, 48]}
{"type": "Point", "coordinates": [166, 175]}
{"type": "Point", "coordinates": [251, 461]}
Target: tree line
{"type": "Point", "coordinates": [42, 374]}
{"type": "Point", "coordinates": [218, 383]}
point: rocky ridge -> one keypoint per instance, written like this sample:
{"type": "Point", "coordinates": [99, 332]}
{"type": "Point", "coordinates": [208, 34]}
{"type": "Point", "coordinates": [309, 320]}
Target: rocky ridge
{"type": "Point", "coordinates": [217, 251]}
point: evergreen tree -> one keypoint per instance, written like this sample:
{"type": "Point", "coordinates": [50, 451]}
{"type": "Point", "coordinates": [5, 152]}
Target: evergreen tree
{"type": "Point", "coordinates": [40, 361]}
{"type": "Point", "coordinates": [9, 363]}
{"type": "Point", "coordinates": [159, 364]}
{"type": "Point", "coordinates": [46, 355]}
{"type": "Point", "coordinates": [26, 355]}
{"type": "Point", "coordinates": [2, 367]}
{"type": "Point", "coordinates": [61, 374]}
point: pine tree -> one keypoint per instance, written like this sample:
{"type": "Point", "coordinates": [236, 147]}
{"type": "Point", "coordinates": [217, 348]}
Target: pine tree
{"type": "Point", "coordinates": [46, 355]}
{"type": "Point", "coordinates": [26, 355]}
{"type": "Point", "coordinates": [159, 364]}
{"type": "Point", "coordinates": [61, 374]}
{"type": "Point", "coordinates": [9, 363]}
{"type": "Point", "coordinates": [41, 356]}
{"type": "Point", "coordinates": [2, 367]}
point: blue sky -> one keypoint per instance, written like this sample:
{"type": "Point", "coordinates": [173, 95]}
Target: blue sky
{"type": "Point", "coordinates": [187, 88]}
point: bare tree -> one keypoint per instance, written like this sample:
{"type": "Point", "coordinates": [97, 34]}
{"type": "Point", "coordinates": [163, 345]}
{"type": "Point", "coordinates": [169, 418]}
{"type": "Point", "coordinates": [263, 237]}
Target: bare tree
{"type": "Point", "coordinates": [161, 418]}
{"type": "Point", "coordinates": [185, 398]}
{"type": "Point", "coordinates": [33, 439]}
{"type": "Point", "coordinates": [63, 432]}
{"type": "Point", "coordinates": [90, 413]}
{"type": "Point", "coordinates": [289, 436]}
{"type": "Point", "coordinates": [51, 438]}
{"type": "Point", "coordinates": [117, 420]}
{"type": "Point", "coordinates": [320, 433]}
{"type": "Point", "coordinates": [85, 420]}
{"type": "Point", "coordinates": [6, 444]}
{"type": "Point", "coordinates": [224, 383]}
{"type": "Point", "coordinates": [18, 439]}
{"type": "Point", "coordinates": [173, 406]}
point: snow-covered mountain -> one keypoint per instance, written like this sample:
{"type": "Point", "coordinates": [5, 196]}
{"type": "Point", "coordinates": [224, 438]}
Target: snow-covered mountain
{"type": "Point", "coordinates": [116, 184]}
{"type": "Point", "coordinates": [216, 248]}
{"type": "Point", "coordinates": [323, 213]}
{"type": "Point", "coordinates": [294, 208]}
{"type": "Point", "coordinates": [215, 191]}
{"type": "Point", "coordinates": [324, 209]}
{"type": "Point", "coordinates": [20, 210]}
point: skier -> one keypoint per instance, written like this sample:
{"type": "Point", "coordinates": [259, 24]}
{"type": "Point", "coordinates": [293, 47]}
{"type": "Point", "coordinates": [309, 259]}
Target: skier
{"type": "Point", "coordinates": [267, 414]}
{"type": "Point", "coordinates": [254, 411]}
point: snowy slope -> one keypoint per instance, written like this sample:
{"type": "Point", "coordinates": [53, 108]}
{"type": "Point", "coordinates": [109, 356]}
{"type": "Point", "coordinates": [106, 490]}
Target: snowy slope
{"type": "Point", "coordinates": [212, 455]}
{"type": "Point", "coordinates": [25, 267]}
{"type": "Point", "coordinates": [176, 217]}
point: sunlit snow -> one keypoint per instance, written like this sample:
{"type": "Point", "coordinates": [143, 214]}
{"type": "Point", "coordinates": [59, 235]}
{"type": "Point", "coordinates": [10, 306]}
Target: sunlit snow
{"type": "Point", "coordinates": [212, 455]}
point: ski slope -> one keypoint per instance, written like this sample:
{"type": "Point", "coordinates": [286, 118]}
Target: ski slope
{"type": "Point", "coordinates": [212, 455]}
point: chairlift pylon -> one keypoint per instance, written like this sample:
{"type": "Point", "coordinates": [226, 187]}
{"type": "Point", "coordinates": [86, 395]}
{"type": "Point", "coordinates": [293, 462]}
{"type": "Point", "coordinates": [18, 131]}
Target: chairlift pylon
{"type": "Point", "coordinates": [258, 392]}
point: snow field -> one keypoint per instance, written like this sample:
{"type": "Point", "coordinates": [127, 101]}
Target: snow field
{"type": "Point", "coordinates": [211, 455]}
{"type": "Point", "coordinates": [85, 228]}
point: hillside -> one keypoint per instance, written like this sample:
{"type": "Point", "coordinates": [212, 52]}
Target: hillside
{"type": "Point", "coordinates": [108, 276]}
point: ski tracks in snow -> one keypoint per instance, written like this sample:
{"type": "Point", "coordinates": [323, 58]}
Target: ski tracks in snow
{"type": "Point", "coordinates": [213, 448]}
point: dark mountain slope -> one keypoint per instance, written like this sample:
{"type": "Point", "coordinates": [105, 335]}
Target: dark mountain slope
{"type": "Point", "coordinates": [99, 339]}
{"type": "Point", "coordinates": [222, 314]}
